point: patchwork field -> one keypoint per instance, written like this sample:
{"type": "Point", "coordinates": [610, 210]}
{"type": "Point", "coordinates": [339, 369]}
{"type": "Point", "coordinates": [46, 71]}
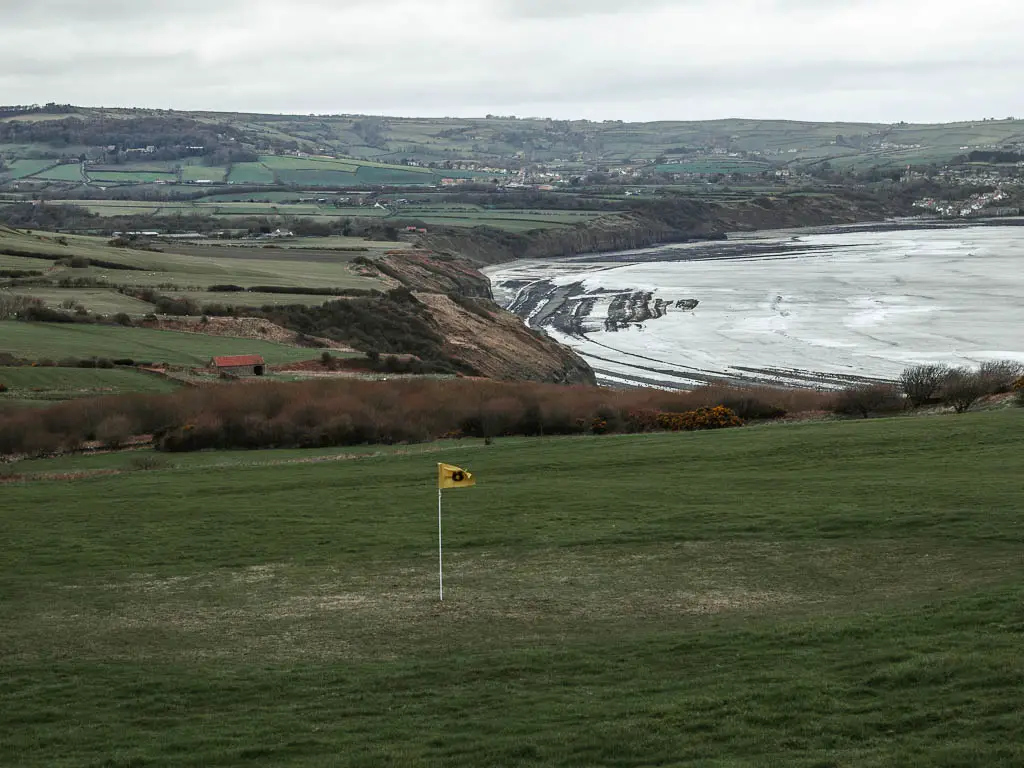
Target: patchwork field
{"type": "Point", "coordinates": [839, 594]}
{"type": "Point", "coordinates": [246, 205]}
{"type": "Point", "coordinates": [39, 341]}
{"type": "Point", "coordinates": [188, 265]}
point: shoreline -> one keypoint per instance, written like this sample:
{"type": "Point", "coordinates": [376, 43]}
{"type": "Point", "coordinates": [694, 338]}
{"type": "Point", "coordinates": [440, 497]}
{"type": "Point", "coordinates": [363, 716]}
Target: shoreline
{"type": "Point", "coordinates": [605, 306]}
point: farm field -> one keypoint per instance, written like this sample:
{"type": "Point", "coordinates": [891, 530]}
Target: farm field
{"type": "Point", "coordinates": [187, 266]}
{"type": "Point", "coordinates": [200, 172]}
{"type": "Point", "coordinates": [714, 165]}
{"type": "Point", "coordinates": [454, 216]}
{"type": "Point", "coordinates": [28, 383]}
{"type": "Point", "coordinates": [137, 177]}
{"type": "Point", "coordinates": [64, 172]}
{"type": "Point", "coordinates": [820, 594]}
{"type": "Point", "coordinates": [20, 169]}
{"type": "Point", "coordinates": [251, 298]}
{"type": "Point", "coordinates": [21, 262]}
{"type": "Point", "coordinates": [39, 341]}
{"type": "Point", "coordinates": [102, 300]}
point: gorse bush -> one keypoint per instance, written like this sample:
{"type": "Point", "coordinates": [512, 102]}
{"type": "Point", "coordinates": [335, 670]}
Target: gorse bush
{"type": "Point", "coordinates": [753, 408]}
{"type": "Point", "coordinates": [718, 417]}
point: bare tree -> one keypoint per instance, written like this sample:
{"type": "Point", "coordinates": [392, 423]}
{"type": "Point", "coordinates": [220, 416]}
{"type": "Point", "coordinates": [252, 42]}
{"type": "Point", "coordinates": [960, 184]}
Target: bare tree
{"type": "Point", "coordinates": [962, 389]}
{"type": "Point", "coordinates": [867, 399]}
{"type": "Point", "coordinates": [1000, 375]}
{"type": "Point", "coordinates": [921, 383]}
{"type": "Point", "coordinates": [12, 304]}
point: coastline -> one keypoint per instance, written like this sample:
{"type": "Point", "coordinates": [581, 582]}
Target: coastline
{"type": "Point", "coordinates": [628, 315]}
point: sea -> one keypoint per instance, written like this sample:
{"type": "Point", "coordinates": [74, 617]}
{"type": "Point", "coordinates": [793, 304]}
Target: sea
{"type": "Point", "coordinates": [822, 308]}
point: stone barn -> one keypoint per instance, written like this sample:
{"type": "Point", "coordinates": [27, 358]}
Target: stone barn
{"type": "Point", "coordinates": [239, 365]}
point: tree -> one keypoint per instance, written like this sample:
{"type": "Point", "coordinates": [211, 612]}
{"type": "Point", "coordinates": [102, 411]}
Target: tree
{"type": "Point", "coordinates": [1000, 375]}
{"type": "Point", "coordinates": [867, 399]}
{"type": "Point", "coordinates": [962, 388]}
{"type": "Point", "coordinates": [114, 431]}
{"type": "Point", "coordinates": [921, 383]}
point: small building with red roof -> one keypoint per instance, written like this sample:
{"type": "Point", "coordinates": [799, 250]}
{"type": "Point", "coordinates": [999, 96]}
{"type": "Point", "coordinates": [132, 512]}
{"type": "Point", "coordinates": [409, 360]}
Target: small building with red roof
{"type": "Point", "coordinates": [239, 365]}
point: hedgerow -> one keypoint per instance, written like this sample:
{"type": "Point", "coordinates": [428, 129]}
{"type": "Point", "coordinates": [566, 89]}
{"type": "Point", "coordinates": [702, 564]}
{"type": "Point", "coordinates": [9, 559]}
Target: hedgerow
{"type": "Point", "coordinates": [332, 413]}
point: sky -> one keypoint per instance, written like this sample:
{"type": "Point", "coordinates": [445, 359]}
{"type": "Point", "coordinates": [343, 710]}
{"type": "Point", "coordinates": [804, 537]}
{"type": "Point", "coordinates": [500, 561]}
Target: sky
{"type": "Point", "coordinates": [634, 60]}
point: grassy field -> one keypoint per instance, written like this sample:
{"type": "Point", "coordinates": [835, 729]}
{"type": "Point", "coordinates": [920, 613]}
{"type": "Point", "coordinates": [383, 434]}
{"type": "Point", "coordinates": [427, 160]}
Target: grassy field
{"type": "Point", "coordinates": [252, 298]}
{"type": "Point", "coordinates": [454, 216]}
{"type": "Point", "coordinates": [251, 173]}
{"type": "Point", "coordinates": [200, 172]}
{"type": "Point", "coordinates": [40, 341]}
{"type": "Point", "coordinates": [813, 595]}
{"type": "Point", "coordinates": [20, 169]}
{"type": "Point", "coordinates": [27, 383]}
{"type": "Point", "coordinates": [102, 300]}
{"type": "Point", "coordinates": [63, 172]}
{"type": "Point", "coordinates": [188, 265]}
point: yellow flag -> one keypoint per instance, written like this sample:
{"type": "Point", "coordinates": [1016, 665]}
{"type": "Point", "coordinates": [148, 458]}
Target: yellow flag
{"type": "Point", "coordinates": [449, 476]}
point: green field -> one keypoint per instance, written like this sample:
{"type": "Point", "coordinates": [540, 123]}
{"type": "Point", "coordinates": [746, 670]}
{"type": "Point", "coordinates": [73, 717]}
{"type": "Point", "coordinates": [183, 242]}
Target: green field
{"type": "Point", "coordinates": [251, 173]}
{"type": "Point", "coordinates": [714, 165]}
{"type": "Point", "coordinates": [199, 172]}
{"type": "Point", "coordinates": [64, 172]}
{"type": "Point", "coordinates": [22, 262]}
{"type": "Point", "coordinates": [40, 341]}
{"type": "Point", "coordinates": [252, 299]}
{"type": "Point", "coordinates": [28, 383]}
{"type": "Point", "coordinates": [187, 265]}
{"type": "Point", "coordinates": [101, 300]}
{"type": "Point", "coordinates": [130, 177]}
{"type": "Point", "coordinates": [19, 169]}
{"type": "Point", "coordinates": [845, 594]}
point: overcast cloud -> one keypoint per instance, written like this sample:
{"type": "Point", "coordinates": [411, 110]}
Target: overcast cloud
{"type": "Point", "coordinates": [872, 60]}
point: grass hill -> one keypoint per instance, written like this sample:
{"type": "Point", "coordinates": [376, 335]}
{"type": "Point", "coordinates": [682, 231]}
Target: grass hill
{"type": "Point", "coordinates": [353, 150]}
{"type": "Point", "coordinates": [839, 594]}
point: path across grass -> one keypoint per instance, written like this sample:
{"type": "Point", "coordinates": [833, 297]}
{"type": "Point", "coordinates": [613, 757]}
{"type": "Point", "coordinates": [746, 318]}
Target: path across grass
{"type": "Point", "coordinates": [823, 594]}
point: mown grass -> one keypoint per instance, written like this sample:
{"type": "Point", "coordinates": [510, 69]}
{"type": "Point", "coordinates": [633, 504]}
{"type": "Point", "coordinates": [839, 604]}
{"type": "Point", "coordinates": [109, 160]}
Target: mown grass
{"type": "Point", "coordinates": [837, 594]}
{"type": "Point", "coordinates": [40, 341]}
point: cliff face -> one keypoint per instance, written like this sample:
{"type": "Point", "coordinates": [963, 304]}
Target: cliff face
{"type": "Point", "coordinates": [499, 345]}
{"type": "Point", "coordinates": [421, 270]}
{"type": "Point", "coordinates": [654, 223]}
{"type": "Point", "coordinates": [456, 304]}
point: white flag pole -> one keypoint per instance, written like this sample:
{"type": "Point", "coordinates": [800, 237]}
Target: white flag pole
{"type": "Point", "coordinates": [440, 562]}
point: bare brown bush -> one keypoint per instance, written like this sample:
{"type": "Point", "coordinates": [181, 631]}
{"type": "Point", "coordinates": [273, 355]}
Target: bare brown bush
{"type": "Point", "coordinates": [12, 304]}
{"type": "Point", "coordinates": [867, 400]}
{"type": "Point", "coordinates": [114, 431]}
{"type": "Point", "coordinates": [327, 413]}
{"type": "Point", "coordinates": [963, 388]}
{"type": "Point", "coordinates": [999, 376]}
{"type": "Point", "coordinates": [921, 383]}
